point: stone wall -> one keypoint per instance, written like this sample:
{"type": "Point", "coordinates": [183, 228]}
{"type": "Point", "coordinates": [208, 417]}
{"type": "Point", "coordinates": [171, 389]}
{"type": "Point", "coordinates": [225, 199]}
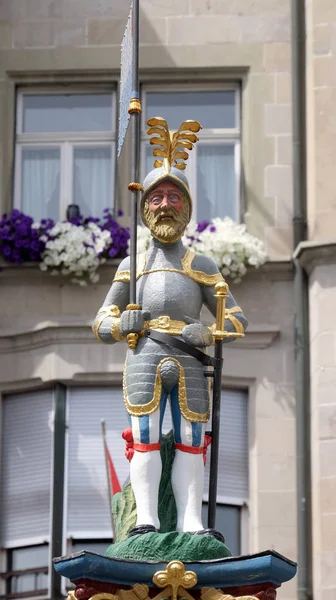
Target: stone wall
{"type": "Point", "coordinates": [246, 40]}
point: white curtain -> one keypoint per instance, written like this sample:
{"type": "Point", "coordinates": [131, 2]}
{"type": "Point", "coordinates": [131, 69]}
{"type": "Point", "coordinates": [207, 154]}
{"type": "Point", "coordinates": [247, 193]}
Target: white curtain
{"type": "Point", "coordinates": [216, 181]}
{"type": "Point", "coordinates": [26, 468]}
{"type": "Point", "coordinates": [40, 188]}
{"type": "Point", "coordinates": [92, 189]}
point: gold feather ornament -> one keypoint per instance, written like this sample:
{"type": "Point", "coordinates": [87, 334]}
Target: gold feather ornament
{"type": "Point", "coordinates": [172, 146]}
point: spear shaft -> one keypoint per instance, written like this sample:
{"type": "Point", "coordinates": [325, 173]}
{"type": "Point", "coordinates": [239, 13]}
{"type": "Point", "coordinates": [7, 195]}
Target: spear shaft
{"type": "Point", "coordinates": [134, 186]}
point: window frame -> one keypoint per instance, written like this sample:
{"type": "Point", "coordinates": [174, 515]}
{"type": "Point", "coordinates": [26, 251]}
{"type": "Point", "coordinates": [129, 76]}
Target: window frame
{"type": "Point", "coordinates": [215, 136]}
{"type": "Point", "coordinates": [66, 142]}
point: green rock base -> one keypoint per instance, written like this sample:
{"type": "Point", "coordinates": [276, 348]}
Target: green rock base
{"type": "Point", "coordinates": [169, 546]}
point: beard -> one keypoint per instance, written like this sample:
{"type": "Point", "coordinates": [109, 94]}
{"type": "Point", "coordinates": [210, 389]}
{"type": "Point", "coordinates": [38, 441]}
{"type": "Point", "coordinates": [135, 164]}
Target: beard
{"type": "Point", "coordinates": [168, 225]}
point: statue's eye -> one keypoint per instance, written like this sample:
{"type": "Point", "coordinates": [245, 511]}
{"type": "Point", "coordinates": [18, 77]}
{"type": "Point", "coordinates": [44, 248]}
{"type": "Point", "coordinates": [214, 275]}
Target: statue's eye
{"type": "Point", "coordinates": [156, 200]}
{"type": "Point", "coordinates": [174, 199]}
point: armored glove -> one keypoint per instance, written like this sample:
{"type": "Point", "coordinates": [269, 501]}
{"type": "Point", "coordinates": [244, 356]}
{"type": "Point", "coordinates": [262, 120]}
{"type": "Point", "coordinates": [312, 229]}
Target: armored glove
{"type": "Point", "coordinates": [132, 321]}
{"type": "Point", "coordinates": [197, 334]}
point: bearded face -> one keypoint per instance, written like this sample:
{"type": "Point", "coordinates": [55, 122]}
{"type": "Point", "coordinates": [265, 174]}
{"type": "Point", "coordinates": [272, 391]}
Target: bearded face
{"type": "Point", "coordinates": [167, 212]}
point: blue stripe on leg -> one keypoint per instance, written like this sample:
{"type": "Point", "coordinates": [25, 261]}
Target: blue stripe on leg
{"type": "Point", "coordinates": [144, 429]}
{"type": "Point", "coordinates": [176, 414]}
{"type": "Point", "coordinates": [196, 429]}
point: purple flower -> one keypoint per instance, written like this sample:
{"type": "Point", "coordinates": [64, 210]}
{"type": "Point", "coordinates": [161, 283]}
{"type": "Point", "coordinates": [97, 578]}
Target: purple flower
{"type": "Point", "coordinates": [212, 228]}
{"type": "Point", "coordinates": [202, 225]}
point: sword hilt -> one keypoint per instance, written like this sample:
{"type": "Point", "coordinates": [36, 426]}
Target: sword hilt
{"type": "Point", "coordinates": [132, 338]}
{"type": "Point", "coordinates": [222, 290]}
{"type": "Point", "coordinates": [221, 294]}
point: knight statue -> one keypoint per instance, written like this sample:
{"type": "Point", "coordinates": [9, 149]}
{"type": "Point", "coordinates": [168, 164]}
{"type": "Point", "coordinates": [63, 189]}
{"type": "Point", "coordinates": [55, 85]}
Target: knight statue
{"type": "Point", "coordinates": [173, 283]}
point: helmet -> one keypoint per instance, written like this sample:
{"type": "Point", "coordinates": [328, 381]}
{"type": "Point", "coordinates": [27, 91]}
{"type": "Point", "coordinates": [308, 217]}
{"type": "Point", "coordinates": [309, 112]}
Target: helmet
{"type": "Point", "coordinates": [172, 150]}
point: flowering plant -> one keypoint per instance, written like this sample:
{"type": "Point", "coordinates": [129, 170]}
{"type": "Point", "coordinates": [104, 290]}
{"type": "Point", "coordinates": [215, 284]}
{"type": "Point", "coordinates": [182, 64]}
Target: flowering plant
{"type": "Point", "coordinates": [228, 243]}
{"type": "Point", "coordinates": [21, 239]}
{"type": "Point", "coordinates": [74, 248]}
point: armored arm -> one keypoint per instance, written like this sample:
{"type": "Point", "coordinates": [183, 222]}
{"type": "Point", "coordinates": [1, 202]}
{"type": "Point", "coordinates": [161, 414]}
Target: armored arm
{"type": "Point", "coordinates": [106, 325]}
{"type": "Point", "coordinates": [235, 320]}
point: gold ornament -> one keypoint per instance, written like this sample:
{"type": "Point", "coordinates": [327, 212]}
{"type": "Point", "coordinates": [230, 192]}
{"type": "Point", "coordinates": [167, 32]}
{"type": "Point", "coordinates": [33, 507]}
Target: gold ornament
{"type": "Point", "coordinates": [172, 147]}
{"type": "Point", "coordinates": [175, 576]}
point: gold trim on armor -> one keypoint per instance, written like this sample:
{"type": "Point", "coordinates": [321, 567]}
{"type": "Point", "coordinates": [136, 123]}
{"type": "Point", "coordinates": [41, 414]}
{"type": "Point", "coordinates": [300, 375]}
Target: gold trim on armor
{"type": "Point", "coordinates": [186, 262]}
{"type": "Point", "coordinates": [105, 312]}
{"type": "Point", "coordinates": [137, 410]}
{"type": "Point", "coordinates": [115, 331]}
{"type": "Point", "coordinates": [166, 324]}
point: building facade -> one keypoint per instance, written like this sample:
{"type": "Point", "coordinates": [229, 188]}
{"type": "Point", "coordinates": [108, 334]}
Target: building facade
{"type": "Point", "coordinates": [228, 65]}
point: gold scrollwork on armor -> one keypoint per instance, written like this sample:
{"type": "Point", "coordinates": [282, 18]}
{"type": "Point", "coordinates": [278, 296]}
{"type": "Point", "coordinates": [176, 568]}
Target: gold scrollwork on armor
{"type": "Point", "coordinates": [150, 407]}
{"type": "Point", "coordinates": [166, 324]}
{"type": "Point", "coordinates": [175, 576]}
{"type": "Point", "coordinates": [103, 313]}
{"type": "Point", "coordinates": [123, 276]}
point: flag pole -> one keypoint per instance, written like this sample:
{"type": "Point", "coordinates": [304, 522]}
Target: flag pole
{"type": "Point", "coordinates": [109, 483]}
{"type": "Point", "coordinates": [134, 186]}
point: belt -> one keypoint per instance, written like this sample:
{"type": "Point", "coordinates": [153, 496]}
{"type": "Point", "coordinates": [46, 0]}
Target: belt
{"type": "Point", "coordinates": [166, 324]}
{"type": "Point", "coordinates": [169, 340]}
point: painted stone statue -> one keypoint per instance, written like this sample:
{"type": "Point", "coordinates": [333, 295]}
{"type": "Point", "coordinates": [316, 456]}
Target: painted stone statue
{"type": "Point", "coordinates": [173, 283]}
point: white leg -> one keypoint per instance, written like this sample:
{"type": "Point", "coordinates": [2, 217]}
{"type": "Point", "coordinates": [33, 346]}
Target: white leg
{"type": "Point", "coordinates": [188, 482]}
{"type": "Point", "coordinates": [145, 473]}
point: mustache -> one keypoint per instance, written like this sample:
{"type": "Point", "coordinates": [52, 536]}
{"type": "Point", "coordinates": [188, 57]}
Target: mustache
{"type": "Point", "coordinates": [169, 212]}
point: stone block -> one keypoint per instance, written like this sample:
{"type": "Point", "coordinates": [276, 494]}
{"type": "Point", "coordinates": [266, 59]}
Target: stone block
{"type": "Point", "coordinates": [278, 119]}
{"type": "Point", "coordinates": [194, 30]}
{"type": "Point", "coordinates": [321, 39]}
{"type": "Point", "coordinates": [6, 34]}
{"type": "Point", "coordinates": [327, 423]}
{"type": "Point", "coordinates": [323, 350]}
{"type": "Point", "coordinates": [327, 460]}
{"type": "Point", "coordinates": [328, 594]}
{"type": "Point", "coordinates": [240, 7]}
{"type": "Point", "coordinates": [159, 8]}
{"type": "Point", "coordinates": [270, 436]}
{"type": "Point", "coordinates": [34, 34]}
{"type": "Point", "coordinates": [284, 149]}
{"type": "Point", "coordinates": [325, 71]}
{"type": "Point", "coordinates": [279, 242]}
{"type": "Point", "coordinates": [328, 535]}
{"type": "Point", "coordinates": [279, 538]}
{"type": "Point", "coordinates": [105, 32]}
{"type": "Point", "coordinates": [278, 181]}
{"type": "Point", "coordinates": [70, 33]}
{"type": "Point", "coordinates": [276, 473]}
{"type": "Point", "coordinates": [277, 57]}
{"type": "Point", "coordinates": [261, 29]}
{"type": "Point", "coordinates": [324, 11]}
{"type": "Point", "coordinates": [328, 496]}
{"type": "Point", "coordinates": [323, 384]}
{"type": "Point", "coordinates": [283, 88]}
{"type": "Point", "coordinates": [324, 226]}
{"type": "Point", "coordinates": [276, 509]}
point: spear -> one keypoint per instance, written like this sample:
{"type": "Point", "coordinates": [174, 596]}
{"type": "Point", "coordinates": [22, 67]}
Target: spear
{"type": "Point", "coordinates": [130, 97]}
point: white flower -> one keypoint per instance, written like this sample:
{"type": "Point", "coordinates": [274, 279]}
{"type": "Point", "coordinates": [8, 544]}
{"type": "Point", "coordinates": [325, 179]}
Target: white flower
{"type": "Point", "coordinates": [229, 245]}
{"type": "Point", "coordinates": [73, 249]}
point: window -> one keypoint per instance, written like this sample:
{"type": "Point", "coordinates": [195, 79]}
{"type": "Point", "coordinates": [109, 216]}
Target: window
{"type": "Point", "coordinates": [65, 153]}
{"type": "Point", "coordinates": [26, 475]}
{"type": "Point", "coordinates": [213, 168]}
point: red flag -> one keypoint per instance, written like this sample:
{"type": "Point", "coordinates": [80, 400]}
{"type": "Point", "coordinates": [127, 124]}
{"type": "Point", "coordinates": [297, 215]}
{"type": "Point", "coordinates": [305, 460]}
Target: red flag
{"type": "Point", "coordinates": [115, 486]}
